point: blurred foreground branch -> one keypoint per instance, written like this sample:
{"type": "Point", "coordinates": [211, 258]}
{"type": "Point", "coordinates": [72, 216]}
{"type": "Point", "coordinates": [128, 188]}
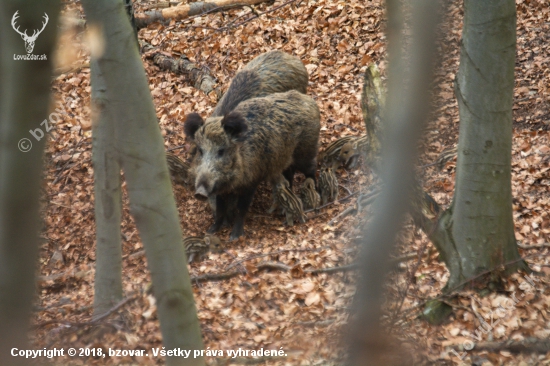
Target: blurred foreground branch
{"type": "Point", "coordinates": [404, 117]}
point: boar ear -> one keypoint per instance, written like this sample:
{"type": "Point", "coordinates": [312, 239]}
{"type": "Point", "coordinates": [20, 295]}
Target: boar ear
{"type": "Point", "coordinates": [234, 124]}
{"type": "Point", "coordinates": [192, 124]}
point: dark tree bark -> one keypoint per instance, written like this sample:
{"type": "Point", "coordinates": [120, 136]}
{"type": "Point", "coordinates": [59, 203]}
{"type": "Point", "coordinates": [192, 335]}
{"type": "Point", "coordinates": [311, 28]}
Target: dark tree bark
{"type": "Point", "coordinates": [129, 6]}
{"type": "Point", "coordinates": [24, 101]}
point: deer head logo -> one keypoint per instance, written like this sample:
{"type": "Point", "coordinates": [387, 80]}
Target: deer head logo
{"type": "Point", "coordinates": [29, 40]}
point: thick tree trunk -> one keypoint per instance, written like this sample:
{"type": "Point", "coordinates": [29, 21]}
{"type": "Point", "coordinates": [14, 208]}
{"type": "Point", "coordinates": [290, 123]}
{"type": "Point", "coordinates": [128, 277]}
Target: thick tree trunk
{"type": "Point", "coordinates": [142, 157]}
{"type": "Point", "coordinates": [24, 102]}
{"type": "Point", "coordinates": [478, 231]}
{"type": "Point", "coordinates": [108, 270]}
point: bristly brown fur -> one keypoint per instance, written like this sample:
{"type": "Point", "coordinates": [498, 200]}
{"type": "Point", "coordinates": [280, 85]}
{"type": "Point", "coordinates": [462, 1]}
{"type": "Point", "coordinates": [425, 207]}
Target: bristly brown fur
{"type": "Point", "coordinates": [197, 247]}
{"type": "Point", "coordinates": [180, 171]}
{"type": "Point", "coordinates": [331, 154]}
{"type": "Point", "coordinates": [282, 128]}
{"type": "Point", "coordinates": [272, 72]}
{"type": "Point", "coordinates": [328, 184]}
{"type": "Point", "coordinates": [310, 197]}
{"type": "Point", "coordinates": [349, 153]}
{"type": "Point", "coordinates": [288, 201]}
{"type": "Point", "coordinates": [269, 73]}
{"type": "Point", "coordinates": [282, 133]}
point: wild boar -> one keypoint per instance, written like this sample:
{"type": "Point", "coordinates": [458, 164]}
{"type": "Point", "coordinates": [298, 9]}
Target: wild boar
{"type": "Point", "coordinates": [271, 72]}
{"type": "Point", "coordinates": [310, 197]}
{"type": "Point", "coordinates": [197, 247]}
{"type": "Point", "coordinates": [180, 171]}
{"type": "Point", "coordinates": [260, 139]}
{"type": "Point", "coordinates": [328, 184]}
{"type": "Point", "coordinates": [349, 153]}
{"type": "Point", "coordinates": [331, 154]}
{"type": "Point", "coordinates": [285, 198]}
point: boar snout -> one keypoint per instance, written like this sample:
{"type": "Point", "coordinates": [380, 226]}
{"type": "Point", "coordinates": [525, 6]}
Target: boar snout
{"type": "Point", "coordinates": [201, 192]}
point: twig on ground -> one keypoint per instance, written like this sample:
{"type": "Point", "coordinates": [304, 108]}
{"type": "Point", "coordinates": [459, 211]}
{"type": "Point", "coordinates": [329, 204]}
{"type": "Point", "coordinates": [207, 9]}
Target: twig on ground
{"type": "Point", "coordinates": [73, 273]}
{"type": "Point", "coordinates": [321, 323]}
{"type": "Point", "coordinates": [333, 202]}
{"type": "Point", "coordinates": [365, 201]}
{"type": "Point", "coordinates": [94, 320]}
{"type": "Point", "coordinates": [342, 214]}
{"type": "Point", "coordinates": [534, 246]}
{"type": "Point", "coordinates": [348, 267]}
{"type": "Point", "coordinates": [346, 188]}
{"type": "Point", "coordinates": [66, 165]}
{"type": "Point", "coordinates": [525, 346]}
{"type": "Point", "coordinates": [176, 148]}
{"type": "Point", "coordinates": [272, 253]}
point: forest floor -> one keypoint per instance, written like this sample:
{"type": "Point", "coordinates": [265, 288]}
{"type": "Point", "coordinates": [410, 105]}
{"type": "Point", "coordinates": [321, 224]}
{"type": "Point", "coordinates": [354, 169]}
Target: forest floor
{"type": "Point", "coordinates": [304, 313]}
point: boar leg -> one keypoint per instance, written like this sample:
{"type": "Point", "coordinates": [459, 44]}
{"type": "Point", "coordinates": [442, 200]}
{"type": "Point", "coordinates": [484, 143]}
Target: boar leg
{"type": "Point", "coordinates": [352, 162]}
{"type": "Point", "coordinates": [289, 219]}
{"type": "Point", "coordinates": [324, 198]}
{"type": "Point", "coordinates": [289, 174]}
{"type": "Point", "coordinates": [275, 203]}
{"type": "Point", "coordinates": [219, 215]}
{"type": "Point", "coordinates": [273, 206]}
{"type": "Point", "coordinates": [309, 169]}
{"type": "Point", "coordinates": [230, 208]}
{"type": "Point", "coordinates": [243, 204]}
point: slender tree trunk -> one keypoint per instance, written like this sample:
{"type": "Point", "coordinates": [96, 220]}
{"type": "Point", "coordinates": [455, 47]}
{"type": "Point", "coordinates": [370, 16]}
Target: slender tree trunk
{"type": "Point", "coordinates": [142, 157]}
{"type": "Point", "coordinates": [108, 270]}
{"type": "Point", "coordinates": [406, 111]}
{"type": "Point", "coordinates": [477, 232]}
{"type": "Point", "coordinates": [24, 102]}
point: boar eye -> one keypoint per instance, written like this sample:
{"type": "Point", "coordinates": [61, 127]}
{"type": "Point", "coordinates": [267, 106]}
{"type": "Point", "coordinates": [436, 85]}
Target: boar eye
{"type": "Point", "coordinates": [221, 152]}
{"type": "Point", "coordinates": [199, 150]}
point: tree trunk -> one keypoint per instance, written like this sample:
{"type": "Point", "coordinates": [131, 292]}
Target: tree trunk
{"type": "Point", "coordinates": [24, 102]}
{"type": "Point", "coordinates": [477, 232]}
{"type": "Point", "coordinates": [142, 157]}
{"type": "Point", "coordinates": [406, 111]}
{"type": "Point", "coordinates": [108, 269]}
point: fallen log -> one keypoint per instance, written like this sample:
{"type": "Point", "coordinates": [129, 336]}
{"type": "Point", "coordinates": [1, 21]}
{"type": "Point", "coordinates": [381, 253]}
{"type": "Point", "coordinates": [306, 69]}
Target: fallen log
{"type": "Point", "coordinates": [197, 76]}
{"type": "Point", "coordinates": [188, 10]}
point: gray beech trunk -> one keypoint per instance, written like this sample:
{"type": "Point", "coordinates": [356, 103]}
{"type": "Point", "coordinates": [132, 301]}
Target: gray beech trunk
{"type": "Point", "coordinates": [24, 102]}
{"type": "Point", "coordinates": [476, 234]}
{"type": "Point", "coordinates": [141, 151]}
{"type": "Point", "coordinates": [107, 190]}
